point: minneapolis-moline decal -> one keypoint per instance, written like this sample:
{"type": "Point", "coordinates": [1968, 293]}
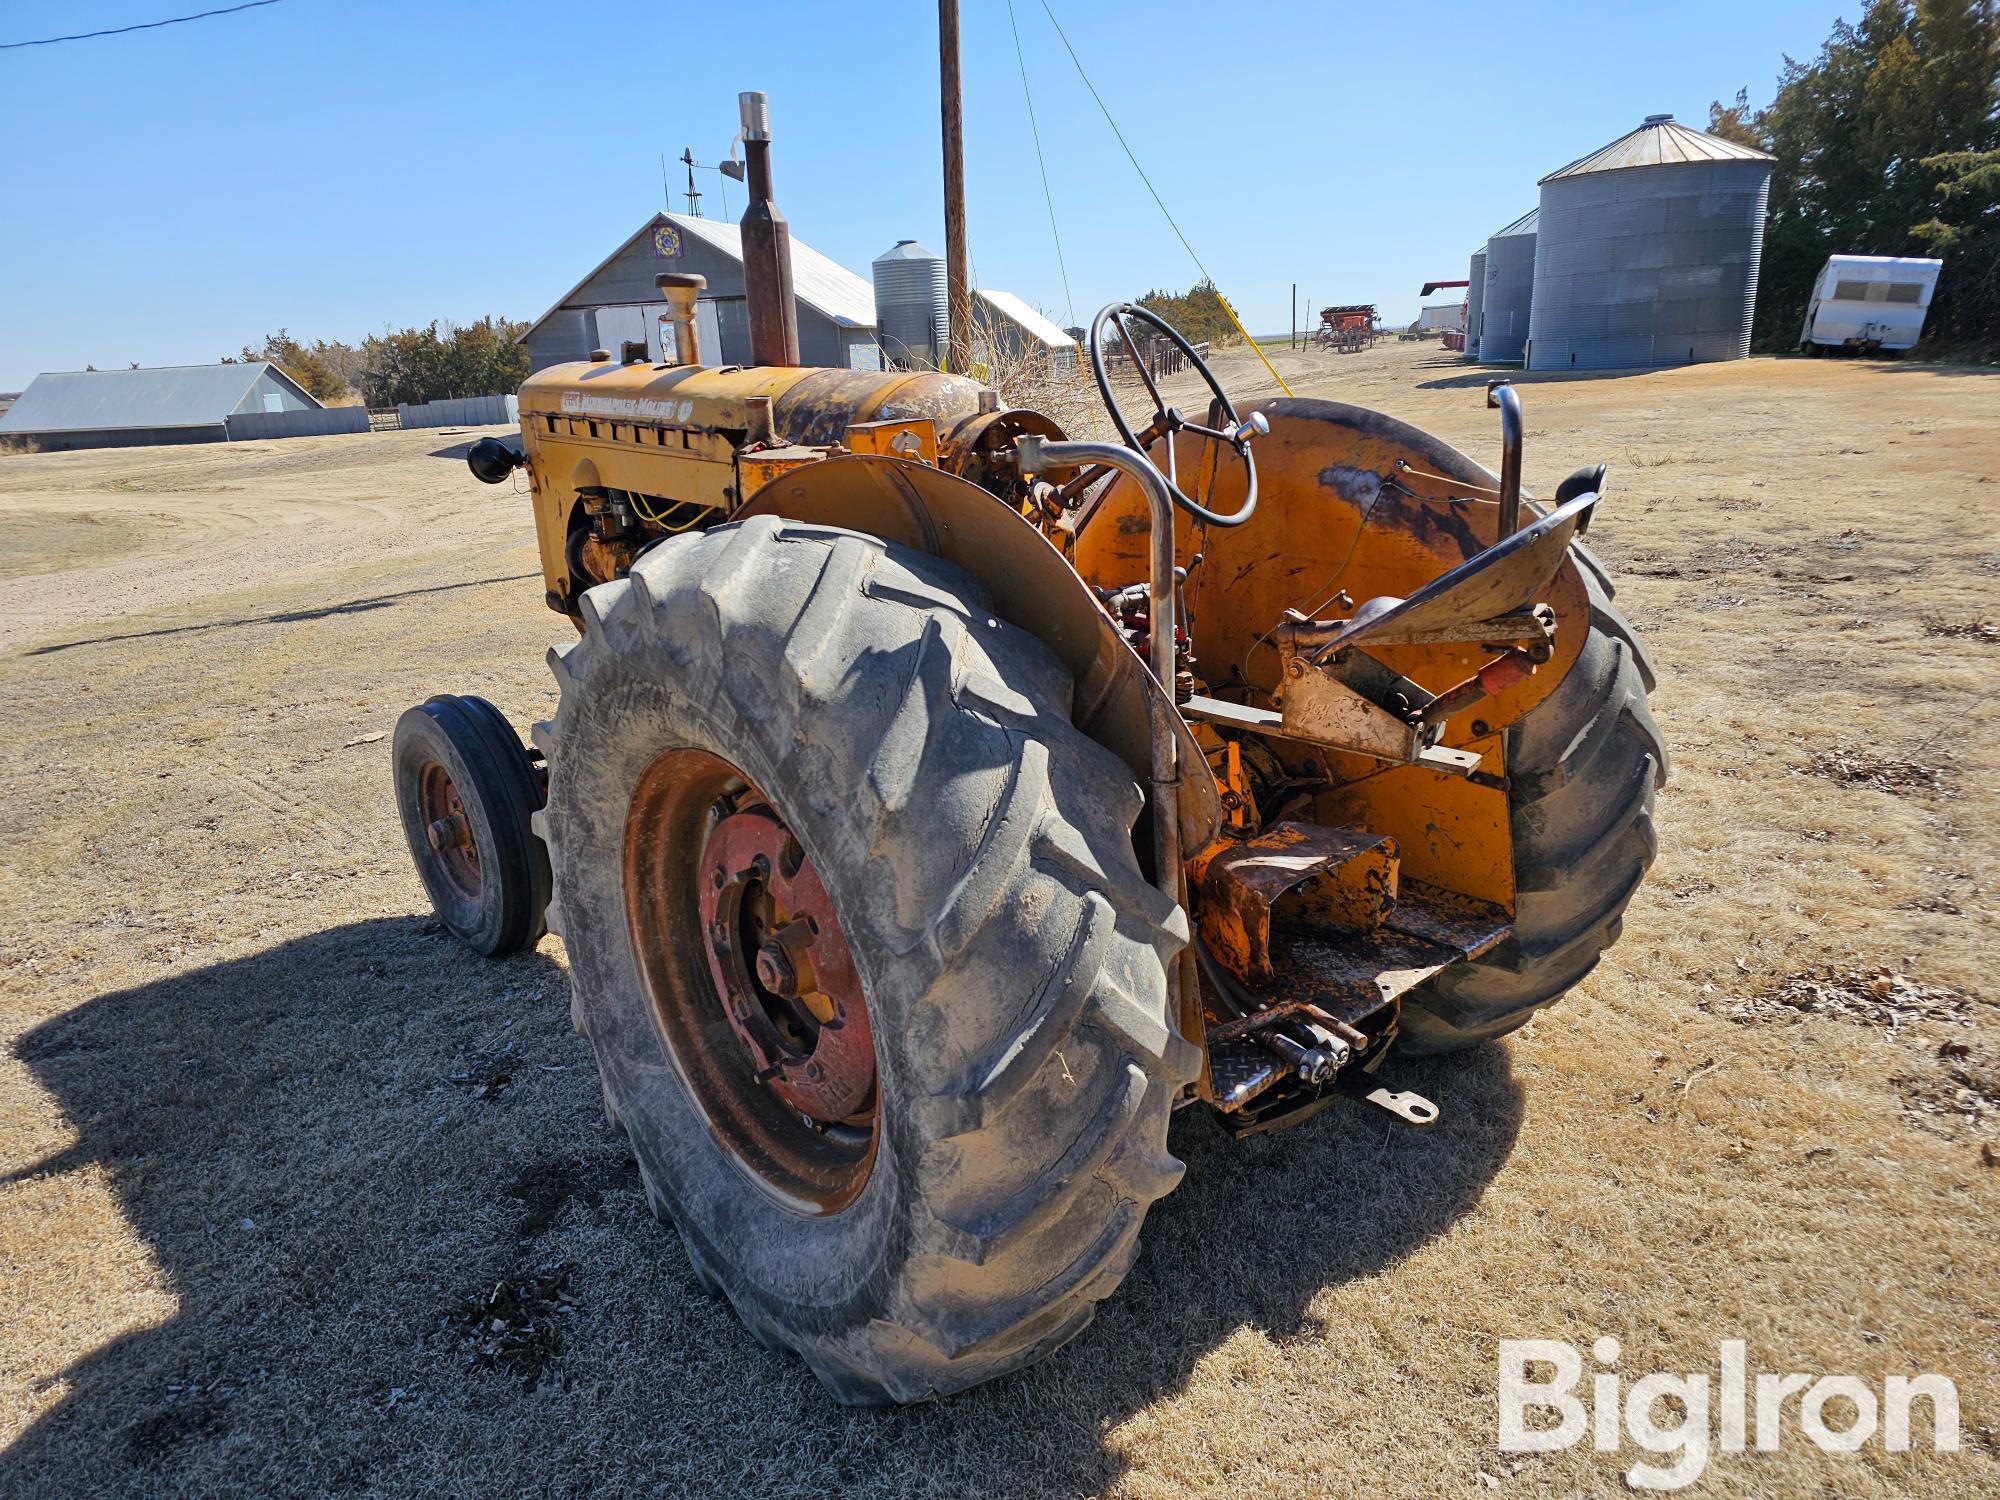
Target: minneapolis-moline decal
{"type": "Point", "coordinates": [646, 408]}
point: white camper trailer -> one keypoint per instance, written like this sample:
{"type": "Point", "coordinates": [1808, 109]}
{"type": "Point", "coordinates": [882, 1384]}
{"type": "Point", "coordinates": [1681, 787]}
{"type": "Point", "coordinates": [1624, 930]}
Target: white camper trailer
{"type": "Point", "coordinates": [1869, 302]}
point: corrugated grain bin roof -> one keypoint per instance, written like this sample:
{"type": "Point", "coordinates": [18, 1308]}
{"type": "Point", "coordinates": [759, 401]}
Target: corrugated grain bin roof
{"type": "Point", "coordinates": [906, 250]}
{"type": "Point", "coordinates": [110, 400]}
{"type": "Point", "coordinates": [1526, 224]}
{"type": "Point", "coordinates": [1024, 317]}
{"type": "Point", "coordinates": [1659, 142]}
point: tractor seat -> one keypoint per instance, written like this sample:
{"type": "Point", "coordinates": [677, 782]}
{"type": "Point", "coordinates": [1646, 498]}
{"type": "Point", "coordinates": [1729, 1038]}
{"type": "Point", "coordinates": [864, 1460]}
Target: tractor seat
{"type": "Point", "coordinates": [1502, 579]}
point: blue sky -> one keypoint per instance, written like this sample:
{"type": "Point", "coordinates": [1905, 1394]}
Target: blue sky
{"type": "Point", "coordinates": [335, 166]}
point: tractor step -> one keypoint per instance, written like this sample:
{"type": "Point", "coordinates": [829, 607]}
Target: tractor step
{"type": "Point", "coordinates": [1338, 987]}
{"type": "Point", "coordinates": [1292, 877]}
{"type": "Point", "coordinates": [1352, 978]}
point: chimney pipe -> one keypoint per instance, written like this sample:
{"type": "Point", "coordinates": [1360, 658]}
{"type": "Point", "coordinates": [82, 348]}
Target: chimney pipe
{"type": "Point", "coordinates": [767, 247]}
{"type": "Point", "coordinates": [681, 290]}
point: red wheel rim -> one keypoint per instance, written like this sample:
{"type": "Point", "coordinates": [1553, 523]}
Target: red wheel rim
{"type": "Point", "coordinates": [751, 980]}
{"type": "Point", "coordinates": [448, 830]}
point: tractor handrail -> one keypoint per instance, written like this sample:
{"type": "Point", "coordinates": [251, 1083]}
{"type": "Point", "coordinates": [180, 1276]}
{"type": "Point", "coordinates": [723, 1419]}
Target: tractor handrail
{"type": "Point", "coordinates": [1501, 394]}
{"type": "Point", "coordinates": [1036, 454]}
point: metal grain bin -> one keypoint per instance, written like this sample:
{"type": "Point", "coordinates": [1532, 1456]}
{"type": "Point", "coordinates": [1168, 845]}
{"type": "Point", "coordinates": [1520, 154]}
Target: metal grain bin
{"type": "Point", "coordinates": [1475, 297]}
{"type": "Point", "coordinates": [1647, 252]}
{"type": "Point", "coordinates": [911, 304]}
{"type": "Point", "coordinates": [1510, 285]}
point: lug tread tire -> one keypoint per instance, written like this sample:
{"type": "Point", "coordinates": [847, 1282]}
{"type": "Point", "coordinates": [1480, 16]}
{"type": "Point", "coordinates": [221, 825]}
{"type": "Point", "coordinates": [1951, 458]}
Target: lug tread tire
{"type": "Point", "coordinates": [1584, 769]}
{"type": "Point", "coordinates": [979, 849]}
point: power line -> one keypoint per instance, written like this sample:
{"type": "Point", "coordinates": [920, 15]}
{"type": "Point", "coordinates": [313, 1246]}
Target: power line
{"type": "Point", "coordinates": [1047, 197]}
{"type": "Point", "coordinates": [1121, 141]}
{"type": "Point", "coordinates": [84, 36]}
{"type": "Point", "coordinates": [1255, 348]}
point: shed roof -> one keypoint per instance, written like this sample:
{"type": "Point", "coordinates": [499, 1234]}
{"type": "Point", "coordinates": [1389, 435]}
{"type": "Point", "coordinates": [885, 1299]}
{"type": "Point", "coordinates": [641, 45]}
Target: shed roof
{"type": "Point", "coordinates": [1659, 142]}
{"type": "Point", "coordinates": [826, 286]}
{"type": "Point", "coordinates": [1526, 224]}
{"type": "Point", "coordinates": [1024, 317]}
{"type": "Point", "coordinates": [112, 400]}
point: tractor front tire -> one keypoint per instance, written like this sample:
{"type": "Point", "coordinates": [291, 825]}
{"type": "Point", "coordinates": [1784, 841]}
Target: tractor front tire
{"type": "Point", "coordinates": [1583, 768]}
{"type": "Point", "coordinates": [855, 711]}
{"type": "Point", "coordinates": [466, 793]}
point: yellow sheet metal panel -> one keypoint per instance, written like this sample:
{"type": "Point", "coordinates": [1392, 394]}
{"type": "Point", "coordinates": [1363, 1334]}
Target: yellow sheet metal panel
{"type": "Point", "coordinates": [1449, 832]}
{"type": "Point", "coordinates": [1348, 501]}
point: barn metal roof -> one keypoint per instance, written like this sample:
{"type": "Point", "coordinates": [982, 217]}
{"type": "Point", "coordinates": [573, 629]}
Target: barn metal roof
{"type": "Point", "coordinates": [109, 400]}
{"type": "Point", "coordinates": [1526, 224]}
{"type": "Point", "coordinates": [824, 285]}
{"type": "Point", "coordinates": [1024, 317]}
{"type": "Point", "coordinates": [1658, 142]}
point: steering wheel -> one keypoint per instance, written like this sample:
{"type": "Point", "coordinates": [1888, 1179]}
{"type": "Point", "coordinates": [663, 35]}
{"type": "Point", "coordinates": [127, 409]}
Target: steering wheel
{"type": "Point", "coordinates": [1167, 420]}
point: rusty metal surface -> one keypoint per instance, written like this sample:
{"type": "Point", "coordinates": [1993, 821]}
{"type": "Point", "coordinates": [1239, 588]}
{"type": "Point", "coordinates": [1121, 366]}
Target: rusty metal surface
{"type": "Point", "coordinates": [1334, 514]}
{"type": "Point", "coordinates": [1354, 977]}
{"type": "Point", "coordinates": [448, 830]}
{"type": "Point", "coordinates": [1292, 877]}
{"type": "Point", "coordinates": [1285, 1010]}
{"type": "Point", "coordinates": [1240, 1071]}
{"type": "Point", "coordinates": [1507, 577]}
{"type": "Point", "coordinates": [1448, 919]}
{"type": "Point", "coordinates": [682, 434]}
{"type": "Point", "coordinates": [781, 964]}
{"type": "Point", "coordinates": [745, 1000]}
{"type": "Point", "coordinates": [1352, 980]}
{"type": "Point", "coordinates": [1324, 711]}
{"type": "Point", "coordinates": [767, 247]}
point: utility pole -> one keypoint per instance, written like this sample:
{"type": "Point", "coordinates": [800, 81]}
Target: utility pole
{"type": "Point", "coordinates": [1295, 316]}
{"type": "Point", "coordinates": [959, 290]}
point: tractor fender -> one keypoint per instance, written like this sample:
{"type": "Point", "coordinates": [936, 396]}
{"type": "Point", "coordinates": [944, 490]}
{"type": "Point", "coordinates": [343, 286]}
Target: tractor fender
{"type": "Point", "coordinates": [914, 505]}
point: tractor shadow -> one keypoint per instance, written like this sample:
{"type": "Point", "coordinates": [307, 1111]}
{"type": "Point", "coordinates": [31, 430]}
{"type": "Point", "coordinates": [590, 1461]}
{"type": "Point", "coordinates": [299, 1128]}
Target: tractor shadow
{"type": "Point", "coordinates": [352, 1158]}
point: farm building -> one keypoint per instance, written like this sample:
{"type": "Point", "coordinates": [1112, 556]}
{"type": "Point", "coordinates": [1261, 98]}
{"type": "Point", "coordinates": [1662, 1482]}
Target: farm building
{"type": "Point", "coordinates": [1006, 330]}
{"type": "Point", "coordinates": [135, 408]}
{"type": "Point", "coordinates": [618, 303]}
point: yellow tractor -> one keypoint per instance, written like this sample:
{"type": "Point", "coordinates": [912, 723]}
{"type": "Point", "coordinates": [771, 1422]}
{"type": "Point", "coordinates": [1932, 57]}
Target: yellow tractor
{"type": "Point", "coordinates": [935, 803]}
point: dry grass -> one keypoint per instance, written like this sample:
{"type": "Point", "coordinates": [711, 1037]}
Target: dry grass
{"type": "Point", "coordinates": [278, 1155]}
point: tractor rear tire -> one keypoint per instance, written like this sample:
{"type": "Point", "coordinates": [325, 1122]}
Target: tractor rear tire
{"type": "Point", "coordinates": [459, 760]}
{"type": "Point", "coordinates": [1583, 769]}
{"type": "Point", "coordinates": [976, 849]}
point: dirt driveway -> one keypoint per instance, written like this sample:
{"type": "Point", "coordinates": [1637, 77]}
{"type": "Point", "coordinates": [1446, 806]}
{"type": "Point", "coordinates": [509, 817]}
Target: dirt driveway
{"type": "Point", "coordinates": [297, 1197]}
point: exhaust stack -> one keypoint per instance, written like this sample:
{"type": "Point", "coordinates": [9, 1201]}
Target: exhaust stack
{"type": "Point", "coordinates": [767, 247]}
